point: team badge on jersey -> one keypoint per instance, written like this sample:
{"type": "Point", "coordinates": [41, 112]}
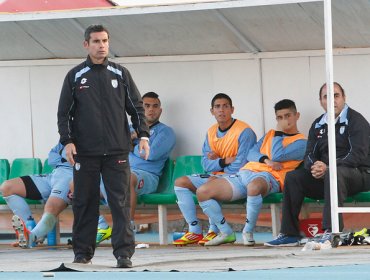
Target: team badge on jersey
{"type": "Point", "coordinates": [141, 184]}
{"type": "Point", "coordinates": [115, 83]}
{"type": "Point", "coordinates": [77, 166]}
{"type": "Point", "coordinates": [341, 130]}
{"type": "Point", "coordinates": [83, 81]}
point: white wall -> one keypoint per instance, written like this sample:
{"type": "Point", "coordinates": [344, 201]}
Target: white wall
{"type": "Point", "coordinates": [186, 86]}
{"type": "Point", "coordinates": [186, 90]}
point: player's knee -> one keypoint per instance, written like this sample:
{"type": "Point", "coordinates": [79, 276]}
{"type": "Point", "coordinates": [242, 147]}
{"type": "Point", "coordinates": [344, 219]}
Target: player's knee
{"type": "Point", "coordinates": [256, 187]}
{"type": "Point", "coordinates": [203, 194]}
{"type": "Point", "coordinates": [6, 188]}
{"type": "Point", "coordinates": [55, 205]}
{"type": "Point", "coordinates": [183, 182]}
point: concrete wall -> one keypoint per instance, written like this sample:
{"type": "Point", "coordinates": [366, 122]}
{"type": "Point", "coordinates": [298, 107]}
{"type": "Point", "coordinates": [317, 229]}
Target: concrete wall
{"type": "Point", "coordinates": [30, 92]}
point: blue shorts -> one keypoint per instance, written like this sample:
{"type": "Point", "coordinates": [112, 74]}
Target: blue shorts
{"type": "Point", "coordinates": [200, 179]}
{"type": "Point", "coordinates": [55, 184]}
{"type": "Point", "coordinates": [146, 182]}
{"type": "Point", "coordinates": [240, 181]}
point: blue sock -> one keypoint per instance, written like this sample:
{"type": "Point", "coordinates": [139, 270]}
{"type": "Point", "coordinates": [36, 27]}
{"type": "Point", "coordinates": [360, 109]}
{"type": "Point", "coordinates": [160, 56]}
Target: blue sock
{"type": "Point", "coordinates": [102, 224]}
{"type": "Point", "coordinates": [18, 206]}
{"type": "Point", "coordinates": [254, 204]}
{"type": "Point", "coordinates": [213, 210]}
{"type": "Point", "coordinates": [42, 228]}
{"type": "Point", "coordinates": [188, 208]}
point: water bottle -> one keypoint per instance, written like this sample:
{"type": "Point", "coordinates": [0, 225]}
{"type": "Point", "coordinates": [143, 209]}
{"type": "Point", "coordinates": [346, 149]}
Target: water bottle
{"type": "Point", "coordinates": [30, 224]}
{"type": "Point", "coordinates": [52, 237]}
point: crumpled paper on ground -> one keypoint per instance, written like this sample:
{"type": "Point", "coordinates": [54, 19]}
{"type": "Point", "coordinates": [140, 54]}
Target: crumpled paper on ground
{"type": "Point", "coordinates": [313, 245]}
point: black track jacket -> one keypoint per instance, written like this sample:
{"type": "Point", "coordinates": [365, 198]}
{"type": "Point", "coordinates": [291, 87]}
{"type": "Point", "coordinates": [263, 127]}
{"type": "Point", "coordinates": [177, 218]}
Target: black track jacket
{"type": "Point", "coordinates": [352, 132]}
{"type": "Point", "coordinates": [92, 109]}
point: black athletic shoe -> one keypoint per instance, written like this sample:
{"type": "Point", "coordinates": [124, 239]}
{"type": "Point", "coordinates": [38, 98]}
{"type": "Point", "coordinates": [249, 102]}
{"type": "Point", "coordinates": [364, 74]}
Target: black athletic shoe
{"type": "Point", "coordinates": [124, 262]}
{"type": "Point", "coordinates": [82, 260]}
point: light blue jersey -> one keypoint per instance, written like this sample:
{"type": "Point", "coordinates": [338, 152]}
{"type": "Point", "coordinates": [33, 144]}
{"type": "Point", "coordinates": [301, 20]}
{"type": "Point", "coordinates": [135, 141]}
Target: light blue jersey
{"type": "Point", "coordinates": [57, 157]}
{"type": "Point", "coordinates": [161, 141]}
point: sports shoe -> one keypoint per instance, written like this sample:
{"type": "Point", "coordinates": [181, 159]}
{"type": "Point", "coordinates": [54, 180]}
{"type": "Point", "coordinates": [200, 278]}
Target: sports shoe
{"type": "Point", "coordinates": [326, 236]}
{"type": "Point", "coordinates": [82, 260]}
{"type": "Point", "coordinates": [283, 240]}
{"type": "Point", "coordinates": [21, 232]}
{"type": "Point", "coordinates": [248, 239]}
{"type": "Point", "coordinates": [221, 238]}
{"type": "Point", "coordinates": [123, 262]}
{"type": "Point", "coordinates": [209, 236]}
{"type": "Point", "coordinates": [363, 232]}
{"type": "Point", "coordinates": [103, 234]}
{"type": "Point", "coordinates": [188, 238]}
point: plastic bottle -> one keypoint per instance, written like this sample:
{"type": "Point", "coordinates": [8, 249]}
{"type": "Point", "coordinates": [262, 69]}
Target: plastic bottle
{"type": "Point", "coordinates": [52, 237]}
{"type": "Point", "coordinates": [30, 224]}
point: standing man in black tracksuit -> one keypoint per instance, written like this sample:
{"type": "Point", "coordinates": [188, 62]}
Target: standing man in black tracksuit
{"type": "Point", "coordinates": [352, 132]}
{"type": "Point", "coordinates": [93, 127]}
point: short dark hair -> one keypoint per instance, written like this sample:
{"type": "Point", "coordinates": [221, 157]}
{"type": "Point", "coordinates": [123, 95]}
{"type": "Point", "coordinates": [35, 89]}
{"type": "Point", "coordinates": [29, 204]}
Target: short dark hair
{"type": "Point", "coordinates": [285, 104]}
{"type": "Point", "coordinates": [335, 83]}
{"type": "Point", "coordinates": [221, 96]}
{"type": "Point", "coordinates": [94, 28]}
{"type": "Point", "coordinates": [151, 94]}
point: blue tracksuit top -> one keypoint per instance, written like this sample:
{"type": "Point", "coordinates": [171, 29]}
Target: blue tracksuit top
{"type": "Point", "coordinates": [57, 157]}
{"type": "Point", "coordinates": [162, 140]}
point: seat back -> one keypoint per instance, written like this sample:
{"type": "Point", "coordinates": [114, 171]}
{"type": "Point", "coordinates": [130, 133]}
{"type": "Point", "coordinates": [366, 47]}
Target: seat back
{"type": "Point", "coordinates": [25, 166]}
{"type": "Point", "coordinates": [165, 181]}
{"type": "Point", "coordinates": [4, 170]}
{"type": "Point", "coordinates": [187, 165]}
{"type": "Point", "coordinates": [47, 169]}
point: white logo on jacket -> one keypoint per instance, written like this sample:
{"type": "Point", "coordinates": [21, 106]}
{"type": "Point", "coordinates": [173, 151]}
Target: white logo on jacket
{"type": "Point", "coordinates": [114, 83]}
{"type": "Point", "coordinates": [342, 129]}
{"type": "Point", "coordinates": [83, 81]}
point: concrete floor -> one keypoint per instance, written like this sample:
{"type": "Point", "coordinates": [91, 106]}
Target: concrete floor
{"type": "Point", "coordinates": [185, 259]}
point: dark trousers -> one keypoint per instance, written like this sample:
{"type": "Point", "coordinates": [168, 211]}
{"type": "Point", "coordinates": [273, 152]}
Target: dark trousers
{"type": "Point", "coordinates": [300, 183]}
{"type": "Point", "coordinates": [115, 172]}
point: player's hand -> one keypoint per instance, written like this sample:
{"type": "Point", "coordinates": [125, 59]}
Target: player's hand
{"type": "Point", "coordinates": [144, 149]}
{"type": "Point", "coordinates": [318, 169]}
{"type": "Point", "coordinates": [274, 164]}
{"type": "Point", "coordinates": [212, 156]}
{"type": "Point", "coordinates": [70, 153]}
{"type": "Point", "coordinates": [133, 135]}
{"type": "Point", "coordinates": [229, 160]}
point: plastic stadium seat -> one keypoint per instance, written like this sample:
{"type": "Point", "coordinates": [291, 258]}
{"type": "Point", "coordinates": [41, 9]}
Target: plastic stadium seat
{"type": "Point", "coordinates": [4, 170]}
{"type": "Point", "coordinates": [187, 165]}
{"type": "Point", "coordinates": [164, 193]}
{"type": "Point", "coordinates": [47, 169]}
{"type": "Point", "coordinates": [25, 166]}
{"type": "Point", "coordinates": [166, 178]}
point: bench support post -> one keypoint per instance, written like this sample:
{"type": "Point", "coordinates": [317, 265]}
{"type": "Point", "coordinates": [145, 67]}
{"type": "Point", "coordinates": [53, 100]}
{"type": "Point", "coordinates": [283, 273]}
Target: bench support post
{"type": "Point", "coordinates": [275, 217]}
{"type": "Point", "coordinates": [162, 224]}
